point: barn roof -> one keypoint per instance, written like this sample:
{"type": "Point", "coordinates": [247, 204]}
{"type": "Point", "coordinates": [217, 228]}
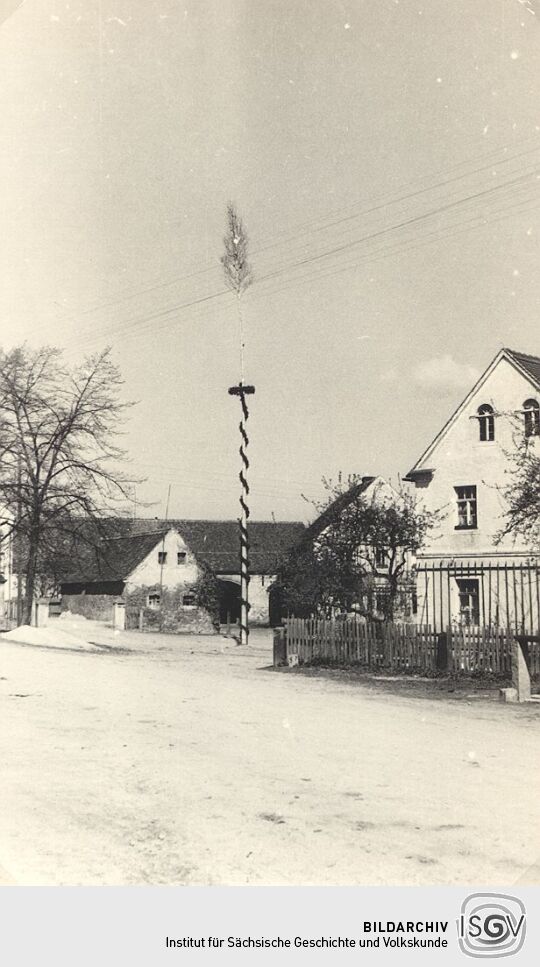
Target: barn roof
{"type": "Point", "coordinates": [110, 549]}
{"type": "Point", "coordinates": [336, 508]}
{"type": "Point", "coordinates": [110, 560]}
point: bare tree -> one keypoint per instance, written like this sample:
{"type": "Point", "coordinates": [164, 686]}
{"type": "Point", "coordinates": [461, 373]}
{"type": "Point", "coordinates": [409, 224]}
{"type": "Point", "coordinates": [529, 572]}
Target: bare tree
{"type": "Point", "coordinates": [59, 455]}
{"type": "Point", "coordinates": [357, 553]}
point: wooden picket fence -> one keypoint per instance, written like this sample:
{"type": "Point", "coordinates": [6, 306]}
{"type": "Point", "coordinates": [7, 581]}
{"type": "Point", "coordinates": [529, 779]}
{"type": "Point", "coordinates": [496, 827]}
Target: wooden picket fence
{"type": "Point", "coordinates": [481, 650]}
{"type": "Point", "coordinates": [490, 650]}
{"type": "Point", "coordinates": [372, 645]}
{"type": "Point", "coordinates": [401, 647]}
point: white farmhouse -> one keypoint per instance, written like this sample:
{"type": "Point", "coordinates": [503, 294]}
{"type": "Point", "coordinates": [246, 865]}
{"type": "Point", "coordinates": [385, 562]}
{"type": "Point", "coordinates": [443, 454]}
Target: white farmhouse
{"type": "Point", "coordinates": [464, 574]}
{"type": "Point", "coordinates": [155, 565]}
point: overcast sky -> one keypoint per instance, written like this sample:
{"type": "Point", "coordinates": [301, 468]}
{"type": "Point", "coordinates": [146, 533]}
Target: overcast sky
{"type": "Point", "coordinates": [385, 157]}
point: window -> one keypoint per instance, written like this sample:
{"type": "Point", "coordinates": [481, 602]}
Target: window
{"type": "Point", "coordinates": [469, 602]}
{"type": "Point", "coordinates": [188, 601]}
{"type": "Point", "coordinates": [181, 557]}
{"type": "Point", "coordinates": [531, 412]}
{"type": "Point", "coordinates": [466, 508]}
{"type": "Point", "coordinates": [162, 557]}
{"type": "Point", "coordinates": [486, 422]}
{"type": "Point", "coordinates": [154, 600]}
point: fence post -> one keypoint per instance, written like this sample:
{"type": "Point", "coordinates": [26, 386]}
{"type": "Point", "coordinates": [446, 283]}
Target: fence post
{"type": "Point", "coordinates": [388, 649]}
{"type": "Point", "coordinates": [41, 612]}
{"type": "Point", "coordinates": [442, 652]}
{"type": "Point", "coordinates": [119, 616]}
{"type": "Point", "coordinates": [521, 680]}
{"type": "Point", "coordinates": [141, 619]}
{"type": "Point", "coordinates": [280, 647]}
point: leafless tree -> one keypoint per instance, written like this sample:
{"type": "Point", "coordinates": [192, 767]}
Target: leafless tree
{"type": "Point", "coordinates": [59, 452]}
{"type": "Point", "coordinates": [354, 541]}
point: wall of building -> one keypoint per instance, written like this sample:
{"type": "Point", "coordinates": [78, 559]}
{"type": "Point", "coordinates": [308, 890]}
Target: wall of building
{"type": "Point", "coordinates": [96, 606]}
{"type": "Point", "coordinates": [151, 572]}
{"type": "Point", "coordinates": [461, 459]}
{"type": "Point", "coordinates": [259, 587]}
{"type": "Point", "coordinates": [454, 558]}
{"type": "Point", "coordinates": [172, 616]}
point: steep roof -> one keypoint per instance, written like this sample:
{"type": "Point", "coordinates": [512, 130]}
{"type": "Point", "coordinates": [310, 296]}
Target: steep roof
{"type": "Point", "coordinates": [531, 364]}
{"type": "Point", "coordinates": [333, 511]}
{"type": "Point", "coordinates": [528, 366]}
{"type": "Point", "coordinates": [111, 560]}
{"type": "Point", "coordinates": [217, 543]}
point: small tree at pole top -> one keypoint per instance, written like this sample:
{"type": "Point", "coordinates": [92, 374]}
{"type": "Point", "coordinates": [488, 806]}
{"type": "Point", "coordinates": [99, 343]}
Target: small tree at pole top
{"type": "Point", "coordinates": [238, 276]}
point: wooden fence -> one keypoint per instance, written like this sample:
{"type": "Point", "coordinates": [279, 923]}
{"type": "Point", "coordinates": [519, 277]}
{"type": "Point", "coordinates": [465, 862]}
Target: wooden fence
{"type": "Point", "coordinates": [415, 648]}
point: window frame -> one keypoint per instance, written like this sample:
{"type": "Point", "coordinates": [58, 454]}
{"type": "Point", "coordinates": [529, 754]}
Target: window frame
{"type": "Point", "coordinates": [467, 507]}
{"type": "Point", "coordinates": [531, 418]}
{"type": "Point", "coordinates": [485, 415]}
{"type": "Point", "coordinates": [183, 555]}
{"type": "Point", "coordinates": [153, 601]}
{"type": "Point", "coordinates": [469, 588]}
{"type": "Point", "coordinates": [162, 558]}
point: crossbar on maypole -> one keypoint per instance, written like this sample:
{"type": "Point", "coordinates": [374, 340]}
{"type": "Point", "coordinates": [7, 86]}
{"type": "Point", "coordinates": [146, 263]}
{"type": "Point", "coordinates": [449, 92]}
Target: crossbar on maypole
{"type": "Point", "coordinates": [242, 391]}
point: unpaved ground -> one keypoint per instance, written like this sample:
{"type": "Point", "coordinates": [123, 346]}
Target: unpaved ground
{"type": "Point", "coordinates": [184, 761]}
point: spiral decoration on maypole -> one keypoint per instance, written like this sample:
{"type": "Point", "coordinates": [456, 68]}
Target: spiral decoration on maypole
{"type": "Point", "coordinates": [242, 391]}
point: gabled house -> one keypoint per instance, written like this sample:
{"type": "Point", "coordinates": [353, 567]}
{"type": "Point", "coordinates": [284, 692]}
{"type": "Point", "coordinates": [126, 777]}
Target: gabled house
{"type": "Point", "coordinates": [155, 564]}
{"type": "Point", "coordinates": [465, 574]}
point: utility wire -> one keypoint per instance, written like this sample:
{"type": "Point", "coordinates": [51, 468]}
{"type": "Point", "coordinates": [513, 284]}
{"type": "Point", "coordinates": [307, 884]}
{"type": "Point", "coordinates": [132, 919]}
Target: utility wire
{"type": "Point", "coordinates": [128, 326]}
{"type": "Point", "coordinates": [385, 202]}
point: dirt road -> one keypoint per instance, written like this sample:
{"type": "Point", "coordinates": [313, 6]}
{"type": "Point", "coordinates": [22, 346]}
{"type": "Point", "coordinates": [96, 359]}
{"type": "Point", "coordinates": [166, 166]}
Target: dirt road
{"type": "Point", "coordinates": [184, 761]}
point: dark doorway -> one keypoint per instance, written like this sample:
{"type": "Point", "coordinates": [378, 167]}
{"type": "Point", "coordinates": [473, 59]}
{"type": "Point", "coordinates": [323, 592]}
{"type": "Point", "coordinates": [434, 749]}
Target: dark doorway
{"type": "Point", "coordinates": [229, 602]}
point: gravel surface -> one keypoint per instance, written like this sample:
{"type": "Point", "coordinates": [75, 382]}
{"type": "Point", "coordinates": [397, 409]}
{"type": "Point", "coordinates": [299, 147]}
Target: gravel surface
{"type": "Point", "coordinates": [184, 760]}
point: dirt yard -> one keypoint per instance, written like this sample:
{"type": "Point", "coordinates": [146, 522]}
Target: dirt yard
{"type": "Point", "coordinates": [186, 761]}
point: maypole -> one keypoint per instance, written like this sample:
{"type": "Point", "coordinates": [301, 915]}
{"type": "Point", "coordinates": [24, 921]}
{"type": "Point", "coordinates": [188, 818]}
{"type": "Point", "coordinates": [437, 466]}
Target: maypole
{"type": "Point", "coordinates": [238, 276]}
{"type": "Point", "coordinates": [242, 391]}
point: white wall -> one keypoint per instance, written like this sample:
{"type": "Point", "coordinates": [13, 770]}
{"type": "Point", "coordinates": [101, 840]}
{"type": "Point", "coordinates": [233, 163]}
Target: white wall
{"type": "Point", "coordinates": [150, 572]}
{"type": "Point", "coordinates": [460, 459]}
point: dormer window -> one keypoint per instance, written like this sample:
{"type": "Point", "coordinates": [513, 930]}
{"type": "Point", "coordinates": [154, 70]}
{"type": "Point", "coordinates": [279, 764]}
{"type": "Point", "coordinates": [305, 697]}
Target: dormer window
{"type": "Point", "coordinates": [486, 423]}
{"type": "Point", "coordinates": [531, 413]}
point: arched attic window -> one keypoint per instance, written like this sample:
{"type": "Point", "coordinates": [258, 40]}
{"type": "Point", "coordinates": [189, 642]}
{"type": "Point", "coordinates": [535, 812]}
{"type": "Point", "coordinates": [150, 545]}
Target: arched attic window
{"type": "Point", "coordinates": [486, 422]}
{"type": "Point", "coordinates": [531, 413]}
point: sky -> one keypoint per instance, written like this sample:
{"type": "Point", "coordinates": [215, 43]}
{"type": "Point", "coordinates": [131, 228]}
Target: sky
{"type": "Point", "coordinates": [385, 159]}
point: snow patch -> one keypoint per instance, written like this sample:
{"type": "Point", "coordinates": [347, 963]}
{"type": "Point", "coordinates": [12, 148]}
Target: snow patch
{"type": "Point", "coordinates": [47, 637]}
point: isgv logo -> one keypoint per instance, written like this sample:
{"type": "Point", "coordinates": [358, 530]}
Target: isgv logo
{"type": "Point", "coordinates": [491, 925]}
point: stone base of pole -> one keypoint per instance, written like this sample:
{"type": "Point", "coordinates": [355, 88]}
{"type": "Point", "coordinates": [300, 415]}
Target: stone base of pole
{"type": "Point", "coordinates": [521, 679]}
